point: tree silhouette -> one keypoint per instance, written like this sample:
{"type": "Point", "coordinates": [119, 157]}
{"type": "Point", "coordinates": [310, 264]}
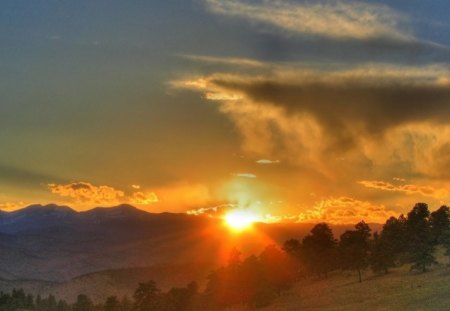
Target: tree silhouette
{"type": "Point", "coordinates": [83, 303]}
{"type": "Point", "coordinates": [147, 297]}
{"type": "Point", "coordinates": [63, 306]}
{"type": "Point", "coordinates": [420, 238]}
{"type": "Point", "coordinates": [278, 267]}
{"type": "Point", "coordinates": [126, 304]}
{"type": "Point", "coordinates": [112, 304]}
{"type": "Point", "coordinates": [388, 246]}
{"type": "Point", "coordinates": [318, 250]}
{"type": "Point", "coordinates": [181, 299]}
{"type": "Point", "coordinates": [381, 258]}
{"type": "Point", "coordinates": [439, 223]}
{"type": "Point", "coordinates": [354, 248]}
{"type": "Point", "coordinates": [445, 241]}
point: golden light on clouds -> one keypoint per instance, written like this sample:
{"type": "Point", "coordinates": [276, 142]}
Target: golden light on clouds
{"type": "Point", "coordinates": [336, 19]}
{"type": "Point", "coordinates": [143, 198]}
{"type": "Point", "coordinates": [346, 210]}
{"type": "Point", "coordinates": [87, 193]}
{"type": "Point", "coordinates": [175, 197]}
{"type": "Point", "coordinates": [427, 191]}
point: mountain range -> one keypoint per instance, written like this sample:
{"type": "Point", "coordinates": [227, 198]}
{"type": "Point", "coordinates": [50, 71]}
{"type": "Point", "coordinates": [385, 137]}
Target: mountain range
{"type": "Point", "coordinates": [55, 249]}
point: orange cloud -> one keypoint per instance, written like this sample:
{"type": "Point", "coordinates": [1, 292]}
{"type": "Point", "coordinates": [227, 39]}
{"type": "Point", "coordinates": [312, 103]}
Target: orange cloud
{"type": "Point", "coordinates": [84, 192]}
{"type": "Point", "coordinates": [214, 211]}
{"type": "Point", "coordinates": [143, 198]}
{"type": "Point", "coordinates": [428, 191]}
{"type": "Point", "coordinates": [346, 210]}
{"type": "Point", "coordinates": [170, 198]}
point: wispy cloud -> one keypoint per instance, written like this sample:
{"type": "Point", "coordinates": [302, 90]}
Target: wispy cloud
{"type": "Point", "coordinates": [267, 161]}
{"type": "Point", "coordinates": [245, 175]}
{"type": "Point", "coordinates": [335, 19]}
{"type": "Point", "coordinates": [213, 211]}
{"type": "Point", "coordinates": [229, 61]}
{"type": "Point", "coordinates": [428, 191]}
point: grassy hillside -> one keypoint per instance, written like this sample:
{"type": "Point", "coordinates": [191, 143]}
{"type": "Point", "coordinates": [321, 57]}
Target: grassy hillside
{"type": "Point", "coordinates": [398, 290]}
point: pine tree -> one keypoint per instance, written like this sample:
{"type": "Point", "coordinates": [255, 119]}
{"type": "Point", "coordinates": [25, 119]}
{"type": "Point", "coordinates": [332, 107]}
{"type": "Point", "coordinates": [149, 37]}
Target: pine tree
{"type": "Point", "coordinates": [83, 303]}
{"type": "Point", "coordinates": [318, 250]}
{"type": "Point", "coordinates": [112, 304]}
{"type": "Point", "coordinates": [147, 297]}
{"type": "Point", "coordinates": [420, 238]}
{"type": "Point", "coordinates": [439, 223]}
{"type": "Point", "coordinates": [381, 258]}
{"type": "Point", "coordinates": [354, 248]}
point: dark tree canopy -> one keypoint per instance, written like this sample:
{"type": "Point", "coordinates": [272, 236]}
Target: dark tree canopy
{"type": "Point", "coordinates": [439, 223]}
{"type": "Point", "coordinates": [354, 248]}
{"type": "Point", "coordinates": [420, 238]}
{"type": "Point", "coordinates": [318, 250]}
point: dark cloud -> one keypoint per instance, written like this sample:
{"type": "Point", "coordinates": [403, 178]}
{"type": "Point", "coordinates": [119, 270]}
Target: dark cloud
{"type": "Point", "coordinates": [345, 107]}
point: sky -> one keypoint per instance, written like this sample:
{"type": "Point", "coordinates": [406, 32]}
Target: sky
{"type": "Point", "coordinates": [330, 111]}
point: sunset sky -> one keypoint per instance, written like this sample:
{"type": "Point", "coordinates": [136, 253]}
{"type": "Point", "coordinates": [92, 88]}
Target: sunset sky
{"type": "Point", "coordinates": [297, 110]}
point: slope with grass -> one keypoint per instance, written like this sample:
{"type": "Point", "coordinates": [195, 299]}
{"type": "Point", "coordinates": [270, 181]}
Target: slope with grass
{"type": "Point", "coordinates": [398, 290]}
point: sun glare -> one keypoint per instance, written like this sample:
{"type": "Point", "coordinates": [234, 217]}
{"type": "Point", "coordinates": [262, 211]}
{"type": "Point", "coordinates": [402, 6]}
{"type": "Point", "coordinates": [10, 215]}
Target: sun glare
{"type": "Point", "coordinates": [240, 220]}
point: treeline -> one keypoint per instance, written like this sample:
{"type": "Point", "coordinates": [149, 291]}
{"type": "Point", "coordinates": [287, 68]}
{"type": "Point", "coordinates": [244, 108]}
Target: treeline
{"type": "Point", "coordinates": [403, 240]}
{"type": "Point", "coordinates": [256, 280]}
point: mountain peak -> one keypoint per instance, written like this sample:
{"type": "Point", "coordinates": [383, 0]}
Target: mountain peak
{"type": "Point", "coordinates": [48, 208]}
{"type": "Point", "coordinates": [122, 210]}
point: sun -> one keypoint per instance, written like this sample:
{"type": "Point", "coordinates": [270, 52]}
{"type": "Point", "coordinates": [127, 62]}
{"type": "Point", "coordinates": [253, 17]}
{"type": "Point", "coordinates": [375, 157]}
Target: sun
{"type": "Point", "coordinates": [240, 219]}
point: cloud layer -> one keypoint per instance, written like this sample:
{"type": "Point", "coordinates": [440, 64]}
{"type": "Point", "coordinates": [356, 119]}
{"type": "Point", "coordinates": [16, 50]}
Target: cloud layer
{"type": "Point", "coordinates": [85, 192]}
{"type": "Point", "coordinates": [306, 114]}
{"type": "Point", "coordinates": [346, 210]}
{"type": "Point", "coordinates": [426, 191]}
{"type": "Point", "coordinates": [335, 19]}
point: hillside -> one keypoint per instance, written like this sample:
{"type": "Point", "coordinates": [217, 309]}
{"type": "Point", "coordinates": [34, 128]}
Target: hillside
{"type": "Point", "coordinates": [120, 282]}
{"type": "Point", "coordinates": [398, 290]}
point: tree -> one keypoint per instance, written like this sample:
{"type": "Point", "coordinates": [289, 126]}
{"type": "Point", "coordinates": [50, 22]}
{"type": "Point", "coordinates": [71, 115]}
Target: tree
{"type": "Point", "coordinates": [445, 241]}
{"type": "Point", "coordinates": [318, 250]}
{"type": "Point", "coordinates": [147, 297]}
{"type": "Point", "coordinates": [420, 238]}
{"type": "Point", "coordinates": [388, 246]}
{"type": "Point", "coordinates": [62, 306]}
{"type": "Point", "coordinates": [381, 258]}
{"type": "Point", "coordinates": [439, 223]}
{"type": "Point", "coordinates": [354, 248]}
{"type": "Point", "coordinates": [83, 303]}
{"type": "Point", "coordinates": [181, 299]}
{"type": "Point", "coordinates": [126, 304]}
{"type": "Point", "coordinates": [112, 304]}
{"type": "Point", "coordinates": [293, 248]}
{"type": "Point", "coordinates": [51, 303]}
{"type": "Point", "coordinates": [279, 268]}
